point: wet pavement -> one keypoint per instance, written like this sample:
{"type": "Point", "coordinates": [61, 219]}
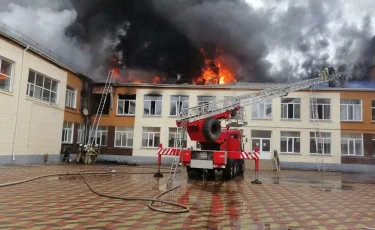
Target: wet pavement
{"type": "Point", "coordinates": [285, 200]}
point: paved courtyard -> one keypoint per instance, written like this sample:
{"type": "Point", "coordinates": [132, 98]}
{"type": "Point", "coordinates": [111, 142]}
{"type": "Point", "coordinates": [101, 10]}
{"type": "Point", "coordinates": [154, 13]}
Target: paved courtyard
{"type": "Point", "coordinates": [285, 200]}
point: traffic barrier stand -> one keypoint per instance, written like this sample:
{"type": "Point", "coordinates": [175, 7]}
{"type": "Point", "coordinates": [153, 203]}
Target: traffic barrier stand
{"type": "Point", "coordinates": [256, 181]}
{"type": "Point", "coordinates": [158, 173]}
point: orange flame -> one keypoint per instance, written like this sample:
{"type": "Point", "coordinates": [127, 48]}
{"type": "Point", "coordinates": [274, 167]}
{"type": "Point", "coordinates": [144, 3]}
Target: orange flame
{"type": "Point", "coordinates": [215, 71]}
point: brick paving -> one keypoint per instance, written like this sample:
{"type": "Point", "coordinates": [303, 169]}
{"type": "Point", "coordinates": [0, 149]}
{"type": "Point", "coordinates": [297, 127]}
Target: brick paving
{"type": "Point", "coordinates": [285, 200]}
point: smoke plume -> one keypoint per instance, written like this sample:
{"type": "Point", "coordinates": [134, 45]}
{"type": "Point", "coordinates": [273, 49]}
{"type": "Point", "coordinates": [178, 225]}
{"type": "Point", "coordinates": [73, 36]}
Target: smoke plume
{"type": "Point", "coordinates": [265, 40]}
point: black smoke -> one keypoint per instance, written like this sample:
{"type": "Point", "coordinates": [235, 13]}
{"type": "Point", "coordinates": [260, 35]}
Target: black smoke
{"type": "Point", "coordinates": [279, 41]}
{"type": "Point", "coordinates": [167, 35]}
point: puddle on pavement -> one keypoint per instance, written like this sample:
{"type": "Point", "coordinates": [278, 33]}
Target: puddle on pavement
{"type": "Point", "coordinates": [324, 185]}
{"type": "Point", "coordinates": [76, 177]}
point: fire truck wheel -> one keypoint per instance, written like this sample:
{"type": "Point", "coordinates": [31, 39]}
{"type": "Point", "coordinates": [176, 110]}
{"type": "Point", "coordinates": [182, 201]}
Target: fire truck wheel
{"type": "Point", "coordinates": [242, 167]}
{"type": "Point", "coordinates": [211, 129]}
{"type": "Point", "coordinates": [228, 172]}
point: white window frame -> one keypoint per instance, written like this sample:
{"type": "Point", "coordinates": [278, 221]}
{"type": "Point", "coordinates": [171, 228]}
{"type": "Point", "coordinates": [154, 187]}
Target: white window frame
{"type": "Point", "coordinates": [201, 102]}
{"type": "Point", "coordinates": [71, 97]}
{"type": "Point", "coordinates": [129, 131]}
{"type": "Point", "coordinates": [323, 138]}
{"type": "Point", "coordinates": [68, 128]}
{"type": "Point", "coordinates": [150, 135]}
{"type": "Point", "coordinates": [100, 132]}
{"type": "Point", "coordinates": [373, 110]}
{"type": "Point", "coordinates": [323, 105]}
{"type": "Point", "coordinates": [155, 99]}
{"type": "Point", "coordinates": [179, 102]}
{"type": "Point", "coordinates": [176, 135]}
{"type": "Point", "coordinates": [123, 102]}
{"type": "Point", "coordinates": [344, 105]}
{"type": "Point", "coordinates": [10, 77]}
{"type": "Point", "coordinates": [295, 104]}
{"type": "Point", "coordinates": [32, 85]}
{"type": "Point", "coordinates": [261, 106]}
{"type": "Point", "coordinates": [81, 134]}
{"type": "Point", "coordinates": [351, 141]}
{"type": "Point", "coordinates": [294, 140]}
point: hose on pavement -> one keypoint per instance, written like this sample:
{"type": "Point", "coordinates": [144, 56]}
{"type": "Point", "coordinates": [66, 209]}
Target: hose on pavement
{"type": "Point", "coordinates": [82, 173]}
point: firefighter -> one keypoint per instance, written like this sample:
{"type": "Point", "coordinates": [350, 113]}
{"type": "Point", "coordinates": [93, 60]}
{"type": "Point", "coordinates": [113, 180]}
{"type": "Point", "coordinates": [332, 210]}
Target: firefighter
{"type": "Point", "coordinates": [324, 73]}
{"type": "Point", "coordinates": [79, 153]}
{"type": "Point", "coordinates": [331, 71]}
{"type": "Point", "coordinates": [66, 152]}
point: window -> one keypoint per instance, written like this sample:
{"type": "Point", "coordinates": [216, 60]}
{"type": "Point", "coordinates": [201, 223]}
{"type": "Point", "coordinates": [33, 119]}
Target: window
{"type": "Point", "coordinates": [151, 137]}
{"type": "Point", "coordinates": [81, 134]}
{"type": "Point", "coordinates": [324, 143]}
{"type": "Point", "coordinates": [373, 145]}
{"type": "Point", "coordinates": [126, 104]}
{"type": "Point", "coordinates": [152, 105]}
{"type": "Point", "coordinates": [351, 110]}
{"type": "Point", "coordinates": [351, 144]}
{"type": "Point", "coordinates": [124, 136]}
{"type": "Point", "coordinates": [373, 110]}
{"type": "Point", "coordinates": [101, 136]}
{"type": "Point", "coordinates": [262, 110]}
{"type": "Point", "coordinates": [5, 74]}
{"type": "Point", "coordinates": [67, 134]}
{"type": "Point", "coordinates": [322, 109]}
{"type": "Point", "coordinates": [202, 100]}
{"type": "Point", "coordinates": [70, 97]}
{"type": "Point", "coordinates": [290, 142]}
{"type": "Point", "coordinates": [205, 99]}
{"type": "Point", "coordinates": [41, 87]}
{"type": "Point", "coordinates": [290, 108]}
{"type": "Point", "coordinates": [174, 138]}
{"type": "Point", "coordinates": [178, 103]}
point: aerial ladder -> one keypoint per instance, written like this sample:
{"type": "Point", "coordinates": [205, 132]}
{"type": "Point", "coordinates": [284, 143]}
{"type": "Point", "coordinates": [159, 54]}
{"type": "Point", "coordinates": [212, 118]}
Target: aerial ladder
{"type": "Point", "coordinates": [193, 120]}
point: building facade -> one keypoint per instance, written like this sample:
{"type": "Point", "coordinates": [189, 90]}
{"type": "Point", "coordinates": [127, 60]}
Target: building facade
{"type": "Point", "coordinates": [140, 117]}
{"type": "Point", "coordinates": [43, 102]}
{"type": "Point", "coordinates": [33, 90]}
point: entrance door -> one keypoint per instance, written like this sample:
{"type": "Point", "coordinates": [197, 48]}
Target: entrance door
{"type": "Point", "coordinates": [264, 145]}
{"type": "Point", "coordinates": [262, 140]}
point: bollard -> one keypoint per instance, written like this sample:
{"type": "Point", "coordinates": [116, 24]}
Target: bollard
{"type": "Point", "coordinates": [158, 173]}
{"type": "Point", "coordinates": [256, 181]}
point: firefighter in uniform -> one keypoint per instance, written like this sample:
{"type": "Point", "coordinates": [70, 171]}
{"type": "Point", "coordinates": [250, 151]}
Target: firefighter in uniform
{"type": "Point", "coordinates": [324, 73]}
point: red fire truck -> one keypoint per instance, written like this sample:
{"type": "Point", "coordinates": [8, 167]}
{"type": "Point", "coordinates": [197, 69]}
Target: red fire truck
{"type": "Point", "coordinates": [222, 148]}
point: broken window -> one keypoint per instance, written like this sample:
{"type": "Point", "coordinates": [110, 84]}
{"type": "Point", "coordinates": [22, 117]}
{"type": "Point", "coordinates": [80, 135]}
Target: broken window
{"type": "Point", "coordinates": [152, 105]}
{"type": "Point", "coordinates": [178, 103]}
{"type": "Point", "coordinates": [126, 104]}
{"type": "Point", "coordinates": [96, 101]}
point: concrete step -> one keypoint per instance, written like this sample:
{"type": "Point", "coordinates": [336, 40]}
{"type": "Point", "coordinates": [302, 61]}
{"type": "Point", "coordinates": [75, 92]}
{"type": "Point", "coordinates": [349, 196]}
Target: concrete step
{"type": "Point", "coordinates": [264, 165]}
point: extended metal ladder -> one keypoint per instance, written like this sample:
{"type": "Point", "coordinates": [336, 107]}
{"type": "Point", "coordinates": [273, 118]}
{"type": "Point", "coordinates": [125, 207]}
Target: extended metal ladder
{"type": "Point", "coordinates": [176, 159]}
{"type": "Point", "coordinates": [217, 107]}
{"type": "Point", "coordinates": [317, 133]}
{"type": "Point", "coordinates": [99, 112]}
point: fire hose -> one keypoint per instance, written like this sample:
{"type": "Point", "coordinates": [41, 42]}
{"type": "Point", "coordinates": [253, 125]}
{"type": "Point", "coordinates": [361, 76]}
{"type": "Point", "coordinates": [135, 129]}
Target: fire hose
{"type": "Point", "coordinates": [82, 173]}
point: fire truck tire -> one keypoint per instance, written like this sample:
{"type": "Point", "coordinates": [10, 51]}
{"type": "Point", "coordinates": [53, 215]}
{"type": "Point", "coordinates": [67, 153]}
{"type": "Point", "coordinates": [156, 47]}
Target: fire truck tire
{"type": "Point", "coordinates": [242, 167]}
{"type": "Point", "coordinates": [228, 172]}
{"type": "Point", "coordinates": [211, 129]}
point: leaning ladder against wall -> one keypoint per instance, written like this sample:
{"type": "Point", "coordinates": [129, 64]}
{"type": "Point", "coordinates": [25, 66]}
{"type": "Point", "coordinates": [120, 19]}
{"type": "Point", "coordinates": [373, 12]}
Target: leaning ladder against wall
{"type": "Point", "coordinates": [317, 133]}
{"type": "Point", "coordinates": [99, 112]}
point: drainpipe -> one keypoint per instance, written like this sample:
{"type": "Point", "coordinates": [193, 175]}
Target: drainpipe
{"type": "Point", "coordinates": [18, 105]}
